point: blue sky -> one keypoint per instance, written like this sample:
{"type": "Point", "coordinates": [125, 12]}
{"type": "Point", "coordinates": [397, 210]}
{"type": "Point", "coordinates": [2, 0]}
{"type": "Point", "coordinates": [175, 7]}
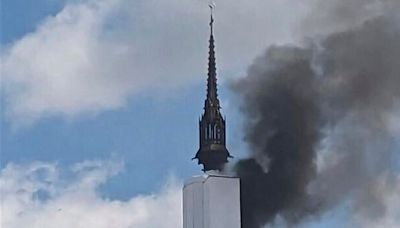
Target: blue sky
{"type": "Point", "coordinates": [88, 82]}
{"type": "Point", "coordinates": [20, 17]}
{"type": "Point", "coordinates": [155, 136]}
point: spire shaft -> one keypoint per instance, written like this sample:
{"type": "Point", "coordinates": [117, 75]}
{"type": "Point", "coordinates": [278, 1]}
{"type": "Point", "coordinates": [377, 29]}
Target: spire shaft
{"type": "Point", "coordinates": [212, 95]}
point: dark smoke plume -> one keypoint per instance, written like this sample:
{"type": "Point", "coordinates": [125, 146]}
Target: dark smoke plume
{"type": "Point", "coordinates": [317, 124]}
{"type": "Point", "coordinates": [282, 131]}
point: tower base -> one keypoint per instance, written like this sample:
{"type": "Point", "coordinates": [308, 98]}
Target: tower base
{"type": "Point", "coordinates": [211, 201]}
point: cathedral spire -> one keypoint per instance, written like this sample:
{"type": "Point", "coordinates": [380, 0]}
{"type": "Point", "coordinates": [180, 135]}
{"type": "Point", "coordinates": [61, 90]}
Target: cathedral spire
{"type": "Point", "coordinates": [212, 153]}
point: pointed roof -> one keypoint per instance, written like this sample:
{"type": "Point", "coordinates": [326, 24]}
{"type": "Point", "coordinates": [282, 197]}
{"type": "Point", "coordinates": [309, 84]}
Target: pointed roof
{"type": "Point", "coordinates": [212, 95]}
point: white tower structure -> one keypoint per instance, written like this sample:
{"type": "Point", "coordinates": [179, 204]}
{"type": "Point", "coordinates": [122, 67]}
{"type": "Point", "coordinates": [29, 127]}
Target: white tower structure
{"type": "Point", "coordinates": [211, 201]}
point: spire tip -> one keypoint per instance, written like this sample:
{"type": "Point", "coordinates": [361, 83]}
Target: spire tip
{"type": "Point", "coordinates": [212, 6]}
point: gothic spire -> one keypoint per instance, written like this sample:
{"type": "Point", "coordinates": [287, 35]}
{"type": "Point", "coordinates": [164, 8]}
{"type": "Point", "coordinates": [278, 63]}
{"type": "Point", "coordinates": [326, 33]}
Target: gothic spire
{"type": "Point", "coordinates": [212, 153]}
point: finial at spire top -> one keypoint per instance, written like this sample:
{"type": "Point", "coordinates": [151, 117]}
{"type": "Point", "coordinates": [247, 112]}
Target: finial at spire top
{"type": "Point", "coordinates": [212, 6]}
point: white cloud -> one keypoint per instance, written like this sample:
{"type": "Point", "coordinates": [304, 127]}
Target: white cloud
{"type": "Point", "coordinates": [65, 66]}
{"type": "Point", "coordinates": [94, 55]}
{"type": "Point", "coordinates": [35, 196]}
{"type": "Point", "coordinates": [39, 195]}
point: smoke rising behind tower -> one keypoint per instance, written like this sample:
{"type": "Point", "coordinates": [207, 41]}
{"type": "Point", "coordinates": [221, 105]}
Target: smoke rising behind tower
{"type": "Point", "coordinates": [317, 121]}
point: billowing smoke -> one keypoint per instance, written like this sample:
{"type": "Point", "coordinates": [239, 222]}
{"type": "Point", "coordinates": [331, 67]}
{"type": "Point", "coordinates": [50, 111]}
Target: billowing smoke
{"type": "Point", "coordinates": [317, 121]}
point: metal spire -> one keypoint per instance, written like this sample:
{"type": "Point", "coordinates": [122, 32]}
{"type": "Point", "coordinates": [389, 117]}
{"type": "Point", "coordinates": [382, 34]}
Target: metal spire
{"type": "Point", "coordinates": [212, 153]}
{"type": "Point", "coordinates": [212, 96]}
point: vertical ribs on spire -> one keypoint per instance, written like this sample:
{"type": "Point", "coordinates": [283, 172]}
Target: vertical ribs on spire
{"type": "Point", "coordinates": [212, 95]}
